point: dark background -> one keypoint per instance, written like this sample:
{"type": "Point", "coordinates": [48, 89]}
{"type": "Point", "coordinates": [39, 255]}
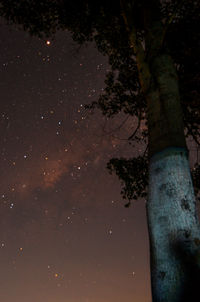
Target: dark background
{"type": "Point", "coordinates": [65, 234]}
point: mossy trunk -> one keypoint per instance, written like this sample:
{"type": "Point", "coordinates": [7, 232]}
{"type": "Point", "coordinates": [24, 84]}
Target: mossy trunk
{"type": "Point", "coordinates": [174, 230]}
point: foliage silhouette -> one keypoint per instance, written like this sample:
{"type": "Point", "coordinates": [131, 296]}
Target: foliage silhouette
{"type": "Point", "coordinates": [153, 49]}
{"type": "Point", "coordinates": [102, 22]}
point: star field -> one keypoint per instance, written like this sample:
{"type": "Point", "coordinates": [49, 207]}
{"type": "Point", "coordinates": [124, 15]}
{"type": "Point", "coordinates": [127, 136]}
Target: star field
{"type": "Point", "coordinates": [65, 234]}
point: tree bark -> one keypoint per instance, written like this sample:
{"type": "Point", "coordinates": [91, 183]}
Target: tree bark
{"type": "Point", "coordinates": [174, 230]}
{"type": "Point", "coordinates": [173, 225]}
{"type": "Point", "coordinates": [165, 118]}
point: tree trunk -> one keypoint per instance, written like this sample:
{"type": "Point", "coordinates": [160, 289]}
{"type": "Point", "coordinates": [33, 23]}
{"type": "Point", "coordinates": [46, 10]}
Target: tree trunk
{"type": "Point", "coordinates": [174, 230]}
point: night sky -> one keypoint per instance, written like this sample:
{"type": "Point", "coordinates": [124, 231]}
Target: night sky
{"type": "Point", "coordinates": [65, 235]}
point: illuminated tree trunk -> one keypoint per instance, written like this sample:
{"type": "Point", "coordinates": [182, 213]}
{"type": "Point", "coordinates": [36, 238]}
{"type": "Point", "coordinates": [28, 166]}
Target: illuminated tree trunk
{"type": "Point", "coordinates": [174, 230]}
{"type": "Point", "coordinates": [173, 225]}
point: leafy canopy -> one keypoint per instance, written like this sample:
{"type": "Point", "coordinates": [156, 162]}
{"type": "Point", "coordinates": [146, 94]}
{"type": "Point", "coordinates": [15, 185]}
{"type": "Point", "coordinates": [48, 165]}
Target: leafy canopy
{"type": "Point", "coordinates": [103, 23]}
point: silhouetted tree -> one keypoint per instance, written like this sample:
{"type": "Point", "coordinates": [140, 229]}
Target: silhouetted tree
{"type": "Point", "coordinates": [153, 49]}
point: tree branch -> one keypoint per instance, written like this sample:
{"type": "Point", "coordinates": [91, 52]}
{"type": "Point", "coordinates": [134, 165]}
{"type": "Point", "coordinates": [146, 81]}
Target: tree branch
{"type": "Point", "coordinates": [143, 68]}
{"type": "Point", "coordinates": [136, 129]}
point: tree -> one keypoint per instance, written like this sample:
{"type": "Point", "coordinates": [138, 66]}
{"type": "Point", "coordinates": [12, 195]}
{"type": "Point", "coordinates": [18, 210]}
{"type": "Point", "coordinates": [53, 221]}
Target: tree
{"type": "Point", "coordinates": [153, 49]}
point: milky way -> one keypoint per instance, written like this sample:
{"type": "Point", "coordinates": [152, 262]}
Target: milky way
{"type": "Point", "coordinates": [65, 234]}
